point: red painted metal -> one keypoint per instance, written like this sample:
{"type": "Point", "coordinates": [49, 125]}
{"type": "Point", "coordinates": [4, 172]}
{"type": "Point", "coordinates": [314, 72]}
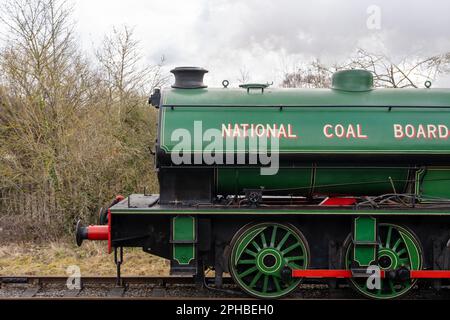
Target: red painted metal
{"type": "Point", "coordinates": [101, 232]}
{"type": "Point", "coordinates": [321, 273]}
{"type": "Point", "coordinates": [340, 273]}
{"type": "Point", "coordinates": [338, 202]}
{"type": "Point", "coordinates": [430, 274]}
{"type": "Point", "coordinates": [327, 273]}
{"type": "Point", "coordinates": [97, 233]}
{"type": "Point", "coordinates": [119, 197]}
{"type": "Point", "coordinates": [109, 232]}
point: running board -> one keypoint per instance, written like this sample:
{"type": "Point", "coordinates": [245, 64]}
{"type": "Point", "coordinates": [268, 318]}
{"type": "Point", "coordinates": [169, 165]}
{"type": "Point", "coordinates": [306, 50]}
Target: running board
{"type": "Point", "coordinates": [362, 273]}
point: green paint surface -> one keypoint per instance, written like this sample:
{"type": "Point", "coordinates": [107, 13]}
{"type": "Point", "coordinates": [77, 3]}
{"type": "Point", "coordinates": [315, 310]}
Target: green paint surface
{"type": "Point", "coordinates": [435, 183]}
{"type": "Point", "coordinates": [183, 231]}
{"type": "Point", "coordinates": [234, 180]}
{"type": "Point", "coordinates": [305, 97]}
{"type": "Point", "coordinates": [305, 181]}
{"type": "Point", "coordinates": [319, 107]}
{"type": "Point", "coordinates": [365, 237]}
{"type": "Point", "coordinates": [183, 228]}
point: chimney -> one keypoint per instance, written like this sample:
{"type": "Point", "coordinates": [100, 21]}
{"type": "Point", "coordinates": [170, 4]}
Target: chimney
{"type": "Point", "coordinates": [189, 77]}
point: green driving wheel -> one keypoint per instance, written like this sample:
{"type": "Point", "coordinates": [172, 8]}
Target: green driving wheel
{"type": "Point", "coordinates": [259, 254]}
{"type": "Point", "coordinates": [397, 248]}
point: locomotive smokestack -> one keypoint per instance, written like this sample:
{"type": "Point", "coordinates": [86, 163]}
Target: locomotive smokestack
{"type": "Point", "coordinates": [189, 77]}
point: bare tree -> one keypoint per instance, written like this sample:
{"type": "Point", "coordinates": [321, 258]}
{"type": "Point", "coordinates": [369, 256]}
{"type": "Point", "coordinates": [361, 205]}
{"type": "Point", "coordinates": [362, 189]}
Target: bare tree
{"type": "Point", "coordinates": [314, 75]}
{"type": "Point", "coordinates": [46, 77]}
{"type": "Point", "coordinates": [409, 72]}
{"type": "Point", "coordinates": [41, 54]}
{"type": "Point", "coordinates": [123, 68]}
{"type": "Point", "coordinates": [244, 75]}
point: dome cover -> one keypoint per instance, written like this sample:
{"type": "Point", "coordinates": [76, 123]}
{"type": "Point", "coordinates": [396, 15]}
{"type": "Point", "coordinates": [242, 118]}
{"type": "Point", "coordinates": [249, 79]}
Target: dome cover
{"type": "Point", "coordinates": [352, 80]}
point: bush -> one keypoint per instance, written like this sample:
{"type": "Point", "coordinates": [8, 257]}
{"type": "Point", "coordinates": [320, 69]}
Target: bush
{"type": "Point", "coordinates": [74, 133]}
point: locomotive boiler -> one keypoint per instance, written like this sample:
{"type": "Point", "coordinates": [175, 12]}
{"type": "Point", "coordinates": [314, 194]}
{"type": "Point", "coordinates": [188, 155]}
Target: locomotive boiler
{"type": "Point", "coordinates": [274, 186]}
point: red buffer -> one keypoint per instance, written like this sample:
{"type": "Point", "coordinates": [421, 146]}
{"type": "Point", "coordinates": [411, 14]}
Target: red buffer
{"type": "Point", "coordinates": [94, 232]}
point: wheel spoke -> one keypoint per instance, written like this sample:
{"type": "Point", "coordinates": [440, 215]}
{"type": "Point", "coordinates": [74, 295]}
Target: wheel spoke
{"type": "Point", "coordinates": [392, 287]}
{"type": "Point", "coordinates": [250, 252]}
{"type": "Point", "coordinates": [263, 240]}
{"type": "Point", "coordinates": [256, 245]}
{"type": "Point", "coordinates": [274, 234]}
{"type": "Point", "coordinates": [255, 279]}
{"type": "Point", "coordinates": [289, 249]}
{"type": "Point", "coordinates": [247, 261]}
{"type": "Point", "coordinates": [388, 238]}
{"type": "Point", "coordinates": [286, 236]}
{"type": "Point", "coordinates": [289, 259]}
{"type": "Point", "coordinates": [248, 271]}
{"type": "Point", "coordinates": [397, 243]}
{"type": "Point", "coordinates": [401, 252]}
{"type": "Point", "coordinates": [266, 282]}
{"type": "Point", "coordinates": [277, 283]}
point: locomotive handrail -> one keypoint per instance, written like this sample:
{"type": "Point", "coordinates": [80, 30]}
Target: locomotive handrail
{"type": "Point", "coordinates": [305, 106]}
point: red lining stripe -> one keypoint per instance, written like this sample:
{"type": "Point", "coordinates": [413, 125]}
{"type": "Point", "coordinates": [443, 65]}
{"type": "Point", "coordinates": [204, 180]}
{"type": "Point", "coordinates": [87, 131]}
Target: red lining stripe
{"type": "Point", "coordinates": [109, 231]}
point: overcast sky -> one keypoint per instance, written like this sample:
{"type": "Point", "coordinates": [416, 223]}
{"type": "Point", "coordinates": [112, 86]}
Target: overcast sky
{"type": "Point", "coordinates": [267, 37]}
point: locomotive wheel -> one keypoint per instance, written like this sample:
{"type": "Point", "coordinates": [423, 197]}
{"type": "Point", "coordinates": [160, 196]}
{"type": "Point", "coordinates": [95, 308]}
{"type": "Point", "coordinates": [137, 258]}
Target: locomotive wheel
{"type": "Point", "coordinates": [398, 247]}
{"type": "Point", "coordinates": [260, 251]}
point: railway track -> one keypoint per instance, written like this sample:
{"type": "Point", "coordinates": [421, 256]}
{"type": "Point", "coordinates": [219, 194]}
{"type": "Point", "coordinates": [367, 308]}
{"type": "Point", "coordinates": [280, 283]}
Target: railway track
{"type": "Point", "coordinates": [157, 288]}
{"type": "Point", "coordinates": [43, 287]}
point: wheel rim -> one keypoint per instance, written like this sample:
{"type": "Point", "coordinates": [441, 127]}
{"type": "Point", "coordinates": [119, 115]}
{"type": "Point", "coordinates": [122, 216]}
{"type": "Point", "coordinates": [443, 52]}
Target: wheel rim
{"type": "Point", "coordinates": [259, 254]}
{"type": "Point", "coordinates": [397, 248]}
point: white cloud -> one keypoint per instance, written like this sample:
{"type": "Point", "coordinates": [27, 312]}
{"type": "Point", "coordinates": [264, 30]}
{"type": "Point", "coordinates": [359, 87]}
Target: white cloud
{"type": "Point", "coordinates": [265, 36]}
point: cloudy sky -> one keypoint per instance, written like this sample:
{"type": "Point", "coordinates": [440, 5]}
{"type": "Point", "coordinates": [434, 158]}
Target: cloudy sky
{"type": "Point", "coordinates": [268, 37]}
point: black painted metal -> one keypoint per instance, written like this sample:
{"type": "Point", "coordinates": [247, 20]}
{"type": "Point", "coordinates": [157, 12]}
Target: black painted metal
{"type": "Point", "coordinates": [182, 186]}
{"type": "Point", "coordinates": [118, 259]}
{"type": "Point", "coordinates": [155, 98]}
{"type": "Point", "coordinates": [189, 77]}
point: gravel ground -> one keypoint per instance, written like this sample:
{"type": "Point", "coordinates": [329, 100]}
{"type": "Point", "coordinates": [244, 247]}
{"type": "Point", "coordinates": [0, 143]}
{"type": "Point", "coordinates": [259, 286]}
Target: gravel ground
{"type": "Point", "coordinates": [151, 291]}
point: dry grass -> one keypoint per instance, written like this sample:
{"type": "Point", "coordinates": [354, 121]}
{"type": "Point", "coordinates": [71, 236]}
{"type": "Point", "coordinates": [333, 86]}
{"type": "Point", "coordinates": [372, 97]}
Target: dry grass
{"type": "Point", "coordinates": [92, 258]}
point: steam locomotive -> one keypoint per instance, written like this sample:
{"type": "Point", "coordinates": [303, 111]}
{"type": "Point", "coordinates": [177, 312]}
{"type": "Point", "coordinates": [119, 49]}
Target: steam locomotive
{"type": "Point", "coordinates": [274, 186]}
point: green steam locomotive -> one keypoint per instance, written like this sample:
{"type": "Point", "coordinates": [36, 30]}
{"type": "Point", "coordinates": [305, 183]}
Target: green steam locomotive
{"type": "Point", "coordinates": [274, 186]}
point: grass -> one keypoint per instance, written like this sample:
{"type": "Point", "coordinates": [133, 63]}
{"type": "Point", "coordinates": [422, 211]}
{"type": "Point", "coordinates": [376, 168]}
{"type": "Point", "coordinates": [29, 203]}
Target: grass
{"type": "Point", "coordinates": [92, 259]}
